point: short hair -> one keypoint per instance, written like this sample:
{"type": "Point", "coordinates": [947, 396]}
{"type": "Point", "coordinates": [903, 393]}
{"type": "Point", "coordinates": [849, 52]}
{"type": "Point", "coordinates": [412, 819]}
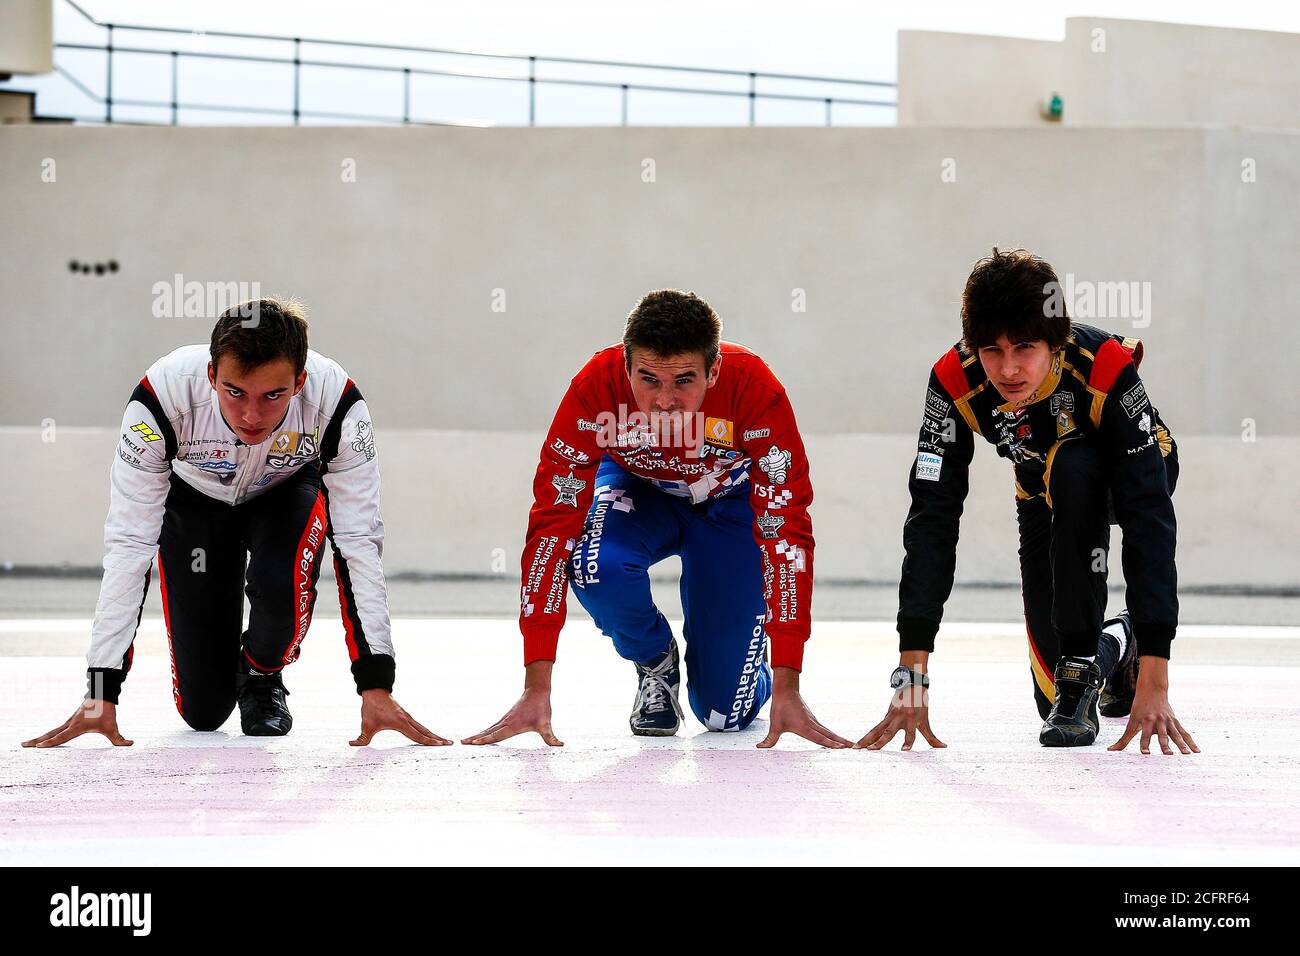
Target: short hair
{"type": "Point", "coordinates": [1017, 294]}
{"type": "Point", "coordinates": [260, 331]}
{"type": "Point", "coordinates": [671, 322]}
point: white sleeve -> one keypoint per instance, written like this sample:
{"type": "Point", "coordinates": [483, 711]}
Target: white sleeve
{"type": "Point", "coordinates": [138, 480]}
{"type": "Point", "coordinates": [357, 532]}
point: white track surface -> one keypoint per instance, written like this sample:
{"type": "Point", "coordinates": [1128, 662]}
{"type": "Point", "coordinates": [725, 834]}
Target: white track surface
{"type": "Point", "coordinates": [993, 797]}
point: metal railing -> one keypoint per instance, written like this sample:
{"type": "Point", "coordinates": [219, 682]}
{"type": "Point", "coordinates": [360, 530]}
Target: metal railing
{"type": "Point", "coordinates": [509, 68]}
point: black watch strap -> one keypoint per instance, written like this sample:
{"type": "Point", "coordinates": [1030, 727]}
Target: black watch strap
{"type": "Point", "coordinates": [904, 676]}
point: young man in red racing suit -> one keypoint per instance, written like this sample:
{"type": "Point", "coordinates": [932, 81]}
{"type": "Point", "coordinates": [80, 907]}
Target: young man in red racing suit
{"type": "Point", "coordinates": [674, 443]}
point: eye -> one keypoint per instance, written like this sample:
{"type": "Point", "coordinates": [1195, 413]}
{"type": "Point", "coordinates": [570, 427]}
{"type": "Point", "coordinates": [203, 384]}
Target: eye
{"type": "Point", "coordinates": [274, 396]}
{"type": "Point", "coordinates": [234, 392]}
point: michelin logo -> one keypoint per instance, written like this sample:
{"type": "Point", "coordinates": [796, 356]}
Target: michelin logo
{"type": "Point", "coordinates": [776, 464]}
{"type": "Point", "coordinates": [928, 466]}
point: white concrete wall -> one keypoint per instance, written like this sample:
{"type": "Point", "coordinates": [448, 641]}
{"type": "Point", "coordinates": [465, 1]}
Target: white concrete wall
{"type": "Point", "coordinates": [1134, 72]}
{"type": "Point", "coordinates": [26, 36]}
{"type": "Point", "coordinates": [399, 269]}
{"type": "Point", "coordinates": [451, 499]}
{"type": "Point", "coordinates": [966, 79]}
{"type": "Point", "coordinates": [1109, 73]}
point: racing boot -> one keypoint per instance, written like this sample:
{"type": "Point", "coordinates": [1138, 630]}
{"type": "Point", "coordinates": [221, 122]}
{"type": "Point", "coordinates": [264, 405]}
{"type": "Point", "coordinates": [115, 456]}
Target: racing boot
{"type": "Point", "coordinates": [1073, 721]}
{"type": "Point", "coordinates": [656, 712]}
{"type": "Point", "coordinates": [1121, 684]}
{"type": "Point", "coordinates": [263, 711]}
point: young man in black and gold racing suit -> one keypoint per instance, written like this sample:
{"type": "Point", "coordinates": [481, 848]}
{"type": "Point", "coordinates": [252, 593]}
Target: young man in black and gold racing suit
{"type": "Point", "coordinates": [1065, 404]}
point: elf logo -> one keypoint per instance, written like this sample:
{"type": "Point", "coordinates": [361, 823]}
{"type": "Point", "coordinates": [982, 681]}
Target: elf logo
{"type": "Point", "coordinates": [75, 909]}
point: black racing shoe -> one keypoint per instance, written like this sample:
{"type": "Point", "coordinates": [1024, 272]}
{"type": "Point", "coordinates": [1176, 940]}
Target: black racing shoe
{"type": "Point", "coordinates": [263, 711]}
{"type": "Point", "coordinates": [1121, 685]}
{"type": "Point", "coordinates": [1073, 721]}
{"type": "Point", "coordinates": [656, 712]}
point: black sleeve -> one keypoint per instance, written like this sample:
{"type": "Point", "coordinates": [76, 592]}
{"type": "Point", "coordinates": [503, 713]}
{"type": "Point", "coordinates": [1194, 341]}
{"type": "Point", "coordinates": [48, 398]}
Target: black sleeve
{"type": "Point", "coordinates": [1139, 487]}
{"type": "Point", "coordinates": [938, 484]}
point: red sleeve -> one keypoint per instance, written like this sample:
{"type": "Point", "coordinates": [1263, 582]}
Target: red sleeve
{"type": "Point", "coordinates": [1107, 366]}
{"type": "Point", "coordinates": [562, 492]}
{"type": "Point", "coordinates": [780, 495]}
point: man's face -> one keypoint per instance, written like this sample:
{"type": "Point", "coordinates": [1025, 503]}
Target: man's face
{"type": "Point", "coordinates": [253, 400]}
{"type": "Point", "coordinates": [1016, 369]}
{"type": "Point", "coordinates": [673, 385]}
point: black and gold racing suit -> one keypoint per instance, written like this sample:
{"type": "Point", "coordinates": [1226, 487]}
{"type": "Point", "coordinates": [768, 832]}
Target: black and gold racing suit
{"type": "Point", "coordinates": [1088, 448]}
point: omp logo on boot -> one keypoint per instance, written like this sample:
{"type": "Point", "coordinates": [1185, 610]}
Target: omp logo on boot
{"type": "Point", "coordinates": [145, 432]}
{"type": "Point", "coordinates": [77, 909]}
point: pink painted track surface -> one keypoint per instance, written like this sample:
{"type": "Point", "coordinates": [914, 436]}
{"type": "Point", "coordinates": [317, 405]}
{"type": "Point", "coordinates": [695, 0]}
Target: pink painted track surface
{"type": "Point", "coordinates": [993, 797]}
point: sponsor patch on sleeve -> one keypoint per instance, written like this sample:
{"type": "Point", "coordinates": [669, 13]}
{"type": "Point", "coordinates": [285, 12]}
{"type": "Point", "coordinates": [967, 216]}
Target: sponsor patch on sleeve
{"type": "Point", "coordinates": [145, 432]}
{"type": "Point", "coordinates": [928, 465]}
{"type": "Point", "coordinates": [569, 488]}
{"type": "Point", "coordinates": [1134, 400]}
{"type": "Point", "coordinates": [935, 405]}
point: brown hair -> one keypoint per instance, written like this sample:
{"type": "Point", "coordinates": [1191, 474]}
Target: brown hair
{"type": "Point", "coordinates": [670, 322]}
{"type": "Point", "coordinates": [263, 330]}
{"type": "Point", "coordinates": [1017, 294]}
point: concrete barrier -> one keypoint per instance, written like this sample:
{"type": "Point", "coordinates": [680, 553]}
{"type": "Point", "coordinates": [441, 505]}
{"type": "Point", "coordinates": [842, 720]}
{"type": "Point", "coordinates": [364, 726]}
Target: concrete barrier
{"type": "Point", "coordinates": [456, 503]}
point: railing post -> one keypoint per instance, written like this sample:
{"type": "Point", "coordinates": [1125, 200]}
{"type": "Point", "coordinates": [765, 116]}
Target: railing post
{"type": "Point", "coordinates": [753, 96]}
{"type": "Point", "coordinates": [532, 90]}
{"type": "Point", "coordinates": [828, 111]}
{"type": "Point", "coordinates": [297, 69]}
{"type": "Point", "coordinates": [406, 96]}
{"type": "Point", "coordinates": [108, 86]}
{"type": "Point", "coordinates": [175, 97]}
{"type": "Point", "coordinates": [624, 104]}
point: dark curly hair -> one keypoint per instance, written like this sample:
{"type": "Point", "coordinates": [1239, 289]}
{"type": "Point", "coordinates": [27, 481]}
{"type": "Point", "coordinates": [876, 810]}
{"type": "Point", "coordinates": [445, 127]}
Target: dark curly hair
{"type": "Point", "coordinates": [1015, 293]}
{"type": "Point", "coordinates": [263, 330]}
{"type": "Point", "coordinates": [670, 322]}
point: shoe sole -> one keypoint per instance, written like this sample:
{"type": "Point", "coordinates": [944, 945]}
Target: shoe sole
{"type": "Point", "coordinates": [1055, 737]}
{"type": "Point", "coordinates": [258, 732]}
{"type": "Point", "coordinates": [655, 732]}
{"type": "Point", "coordinates": [1059, 740]}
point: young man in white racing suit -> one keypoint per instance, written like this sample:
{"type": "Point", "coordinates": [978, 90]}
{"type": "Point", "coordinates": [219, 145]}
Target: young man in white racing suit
{"type": "Point", "coordinates": [236, 463]}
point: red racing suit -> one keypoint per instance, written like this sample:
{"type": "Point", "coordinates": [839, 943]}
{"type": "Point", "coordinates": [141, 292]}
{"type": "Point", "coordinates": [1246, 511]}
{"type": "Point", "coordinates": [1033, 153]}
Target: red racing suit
{"type": "Point", "coordinates": [743, 440]}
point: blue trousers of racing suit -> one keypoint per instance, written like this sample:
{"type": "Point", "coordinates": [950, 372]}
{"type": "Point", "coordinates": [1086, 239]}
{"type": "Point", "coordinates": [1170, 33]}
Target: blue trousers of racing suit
{"type": "Point", "coordinates": [633, 525]}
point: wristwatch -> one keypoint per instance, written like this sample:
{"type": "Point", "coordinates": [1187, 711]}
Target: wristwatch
{"type": "Point", "coordinates": [903, 676]}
